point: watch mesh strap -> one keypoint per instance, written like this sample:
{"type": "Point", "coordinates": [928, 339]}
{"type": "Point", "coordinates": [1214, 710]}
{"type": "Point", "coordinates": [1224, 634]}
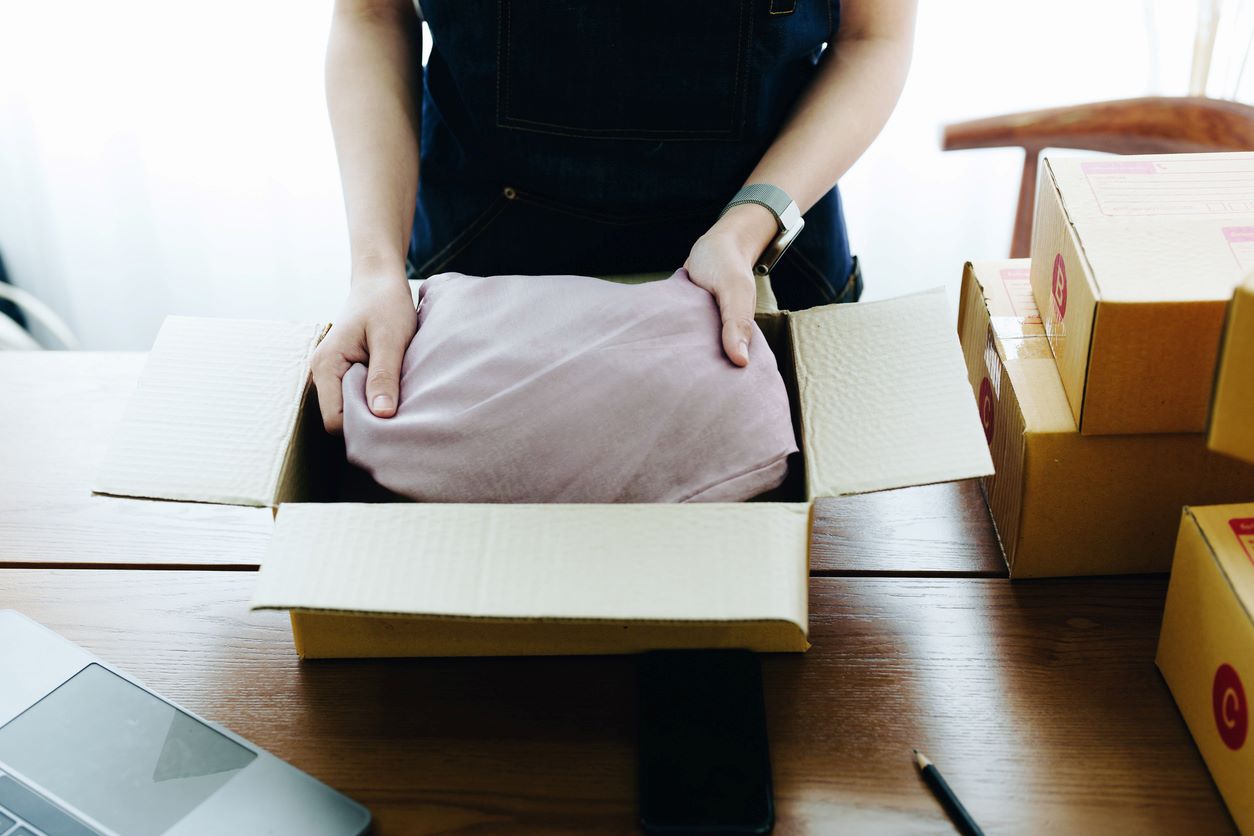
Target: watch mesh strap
{"type": "Point", "coordinates": [772, 197]}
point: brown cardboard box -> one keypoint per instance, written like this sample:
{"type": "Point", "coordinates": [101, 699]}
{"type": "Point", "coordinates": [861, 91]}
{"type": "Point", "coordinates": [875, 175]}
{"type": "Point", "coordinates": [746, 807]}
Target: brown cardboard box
{"type": "Point", "coordinates": [1206, 649]}
{"type": "Point", "coordinates": [1065, 503]}
{"type": "Point", "coordinates": [1232, 410]}
{"type": "Point", "coordinates": [1133, 262]}
{"type": "Point", "coordinates": [224, 413]}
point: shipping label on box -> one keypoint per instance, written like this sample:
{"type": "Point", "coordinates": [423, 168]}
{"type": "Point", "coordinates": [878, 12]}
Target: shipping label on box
{"type": "Point", "coordinates": [1064, 503]}
{"type": "Point", "coordinates": [881, 400]}
{"type": "Point", "coordinates": [1133, 262]}
{"type": "Point", "coordinates": [1232, 409]}
{"type": "Point", "coordinates": [1206, 649]}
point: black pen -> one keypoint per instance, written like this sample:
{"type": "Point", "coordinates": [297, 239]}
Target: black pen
{"type": "Point", "coordinates": [961, 818]}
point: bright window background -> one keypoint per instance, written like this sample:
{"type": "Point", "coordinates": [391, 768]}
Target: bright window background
{"type": "Point", "coordinates": [163, 157]}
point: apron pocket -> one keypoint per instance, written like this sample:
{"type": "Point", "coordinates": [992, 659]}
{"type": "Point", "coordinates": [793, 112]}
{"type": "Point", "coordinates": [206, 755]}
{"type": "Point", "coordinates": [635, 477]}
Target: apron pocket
{"type": "Point", "coordinates": [595, 79]}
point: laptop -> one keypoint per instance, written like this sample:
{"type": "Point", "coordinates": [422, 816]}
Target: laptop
{"type": "Point", "coordinates": [85, 750]}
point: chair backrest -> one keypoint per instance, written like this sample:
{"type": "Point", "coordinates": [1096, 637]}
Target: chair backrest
{"type": "Point", "coordinates": [1156, 125]}
{"type": "Point", "coordinates": [13, 336]}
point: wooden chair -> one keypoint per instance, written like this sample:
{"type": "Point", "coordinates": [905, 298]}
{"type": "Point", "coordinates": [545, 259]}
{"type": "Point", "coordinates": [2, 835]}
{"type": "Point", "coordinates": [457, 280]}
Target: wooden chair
{"type": "Point", "coordinates": [1157, 125]}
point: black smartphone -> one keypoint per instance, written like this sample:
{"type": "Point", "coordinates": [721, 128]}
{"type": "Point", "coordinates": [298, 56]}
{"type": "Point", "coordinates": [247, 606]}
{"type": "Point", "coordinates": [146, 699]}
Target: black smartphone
{"type": "Point", "coordinates": [704, 759]}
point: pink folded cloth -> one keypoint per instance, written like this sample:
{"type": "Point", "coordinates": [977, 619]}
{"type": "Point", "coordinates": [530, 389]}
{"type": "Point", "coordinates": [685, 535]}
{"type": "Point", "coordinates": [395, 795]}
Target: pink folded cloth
{"type": "Point", "coordinates": [573, 389]}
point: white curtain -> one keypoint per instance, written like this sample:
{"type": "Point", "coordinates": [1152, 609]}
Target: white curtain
{"type": "Point", "coordinates": [166, 157]}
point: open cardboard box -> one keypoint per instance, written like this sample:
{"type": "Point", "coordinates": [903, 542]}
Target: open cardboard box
{"type": "Point", "coordinates": [1134, 260]}
{"type": "Point", "coordinates": [225, 413]}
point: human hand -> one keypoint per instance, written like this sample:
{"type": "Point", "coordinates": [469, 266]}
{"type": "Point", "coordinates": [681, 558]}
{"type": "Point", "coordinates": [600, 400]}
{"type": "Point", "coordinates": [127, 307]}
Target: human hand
{"type": "Point", "coordinates": [375, 327]}
{"type": "Point", "coordinates": [721, 261]}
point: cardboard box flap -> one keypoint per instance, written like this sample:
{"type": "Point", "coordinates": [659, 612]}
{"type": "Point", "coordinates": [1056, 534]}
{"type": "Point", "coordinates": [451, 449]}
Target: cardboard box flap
{"type": "Point", "coordinates": [884, 397]}
{"type": "Point", "coordinates": [697, 562]}
{"type": "Point", "coordinates": [214, 414]}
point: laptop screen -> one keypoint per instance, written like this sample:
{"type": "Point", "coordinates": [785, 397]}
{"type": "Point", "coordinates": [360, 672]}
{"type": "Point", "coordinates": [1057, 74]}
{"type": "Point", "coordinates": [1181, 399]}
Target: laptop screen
{"type": "Point", "coordinates": [121, 755]}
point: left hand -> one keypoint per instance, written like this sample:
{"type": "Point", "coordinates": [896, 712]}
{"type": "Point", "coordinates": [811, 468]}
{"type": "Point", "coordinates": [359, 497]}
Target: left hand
{"type": "Point", "coordinates": [722, 262]}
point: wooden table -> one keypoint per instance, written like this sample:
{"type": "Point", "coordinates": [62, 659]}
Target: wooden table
{"type": "Point", "coordinates": [1039, 700]}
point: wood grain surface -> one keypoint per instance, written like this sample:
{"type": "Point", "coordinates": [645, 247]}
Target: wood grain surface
{"type": "Point", "coordinates": [58, 412]}
{"type": "Point", "coordinates": [1039, 702]}
{"type": "Point", "coordinates": [932, 529]}
{"type": "Point", "coordinates": [61, 409]}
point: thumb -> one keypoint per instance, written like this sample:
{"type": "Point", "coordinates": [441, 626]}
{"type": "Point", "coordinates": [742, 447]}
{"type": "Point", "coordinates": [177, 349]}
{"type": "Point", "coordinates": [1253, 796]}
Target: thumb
{"type": "Point", "coordinates": [736, 308]}
{"type": "Point", "coordinates": [383, 376]}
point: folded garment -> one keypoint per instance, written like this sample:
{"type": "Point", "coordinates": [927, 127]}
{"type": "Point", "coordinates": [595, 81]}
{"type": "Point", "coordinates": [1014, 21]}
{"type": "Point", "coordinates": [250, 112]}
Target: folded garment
{"type": "Point", "coordinates": [573, 389]}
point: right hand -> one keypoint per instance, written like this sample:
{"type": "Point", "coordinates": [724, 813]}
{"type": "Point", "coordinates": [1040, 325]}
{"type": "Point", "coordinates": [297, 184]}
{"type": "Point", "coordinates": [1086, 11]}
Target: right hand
{"type": "Point", "coordinates": [375, 327]}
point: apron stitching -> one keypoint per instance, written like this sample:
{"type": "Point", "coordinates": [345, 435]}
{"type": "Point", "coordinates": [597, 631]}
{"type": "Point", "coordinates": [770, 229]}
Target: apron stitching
{"type": "Point", "coordinates": [465, 239]}
{"type": "Point", "coordinates": [504, 119]}
{"type": "Point", "coordinates": [620, 130]}
{"type": "Point", "coordinates": [600, 217]}
{"type": "Point", "coordinates": [740, 46]}
{"type": "Point", "coordinates": [509, 31]}
{"type": "Point", "coordinates": [501, 63]}
{"type": "Point", "coordinates": [642, 135]}
{"type": "Point", "coordinates": [741, 87]}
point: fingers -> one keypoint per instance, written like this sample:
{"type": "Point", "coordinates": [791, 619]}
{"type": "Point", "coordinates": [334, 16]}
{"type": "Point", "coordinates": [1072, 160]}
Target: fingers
{"type": "Point", "coordinates": [383, 378]}
{"type": "Point", "coordinates": [328, 367]}
{"type": "Point", "coordinates": [736, 302]}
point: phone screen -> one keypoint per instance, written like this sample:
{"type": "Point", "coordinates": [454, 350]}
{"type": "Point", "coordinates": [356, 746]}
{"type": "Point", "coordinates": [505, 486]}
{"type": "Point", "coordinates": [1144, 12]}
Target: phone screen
{"type": "Point", "coordinates": [704, 760]}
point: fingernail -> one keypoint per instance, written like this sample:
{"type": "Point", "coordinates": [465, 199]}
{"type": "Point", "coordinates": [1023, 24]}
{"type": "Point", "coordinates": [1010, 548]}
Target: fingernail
{"type": "Point", "coordinates": [744, 350]}
{"type": "Point", "coordinates": [381, 402]}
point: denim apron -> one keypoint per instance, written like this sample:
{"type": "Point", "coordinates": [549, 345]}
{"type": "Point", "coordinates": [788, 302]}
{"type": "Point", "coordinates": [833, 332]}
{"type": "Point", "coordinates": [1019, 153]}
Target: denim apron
{"type": "Point", "coordinates": [605, 136]}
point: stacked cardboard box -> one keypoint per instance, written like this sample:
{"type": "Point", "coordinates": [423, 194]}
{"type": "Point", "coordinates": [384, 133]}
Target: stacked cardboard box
{"type": "Point", "coordinates": [1134, 263]}
{"type": "Point", "coordinates": [1094, 362]}
{"type": "Point", "coordinates": [1065, 503]}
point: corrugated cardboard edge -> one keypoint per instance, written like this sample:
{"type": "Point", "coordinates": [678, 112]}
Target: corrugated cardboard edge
{"type": "Point", "coordinates": [197, 396]}
{"type": "Point", "coordinates": [333, 635]}
{"type": "Point", "coordinates": [913, 420]}
{"type": "Point", "coordinates": [1056, 331]}
{"type": "Point", "coordinates": [431, 579]}
{"type": "Point", "coordinates": [1188, 512]}
{"type": "Point", "coordinates": [1002, 490]}
{"type": "Point", "coordinates": [1230, 428]}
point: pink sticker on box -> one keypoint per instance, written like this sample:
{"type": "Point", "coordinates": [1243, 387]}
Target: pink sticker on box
{"type": "Point", "coordinates": [1058, 287]}
{"type": "Point", "coordinates": [1243, 528]}
{"type": "Point", "coordinates": [1231, 710]}
{"type": "Point", "coordinates": [1018, 286]}
{"type": "Point", "coordinates": [988, 408]}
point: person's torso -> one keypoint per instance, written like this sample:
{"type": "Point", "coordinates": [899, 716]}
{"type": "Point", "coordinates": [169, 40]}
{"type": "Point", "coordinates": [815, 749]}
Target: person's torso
{"type": "Point", "coordinates": [606, 120]}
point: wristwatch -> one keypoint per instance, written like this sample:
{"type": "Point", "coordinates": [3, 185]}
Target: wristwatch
{"type": "Point", "coordinates": [777, 201]}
